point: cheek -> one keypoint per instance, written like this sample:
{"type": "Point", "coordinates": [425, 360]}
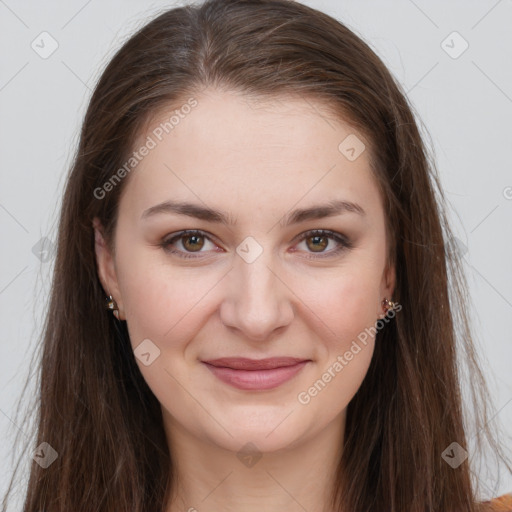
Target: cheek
{"type": "Point", "coordinates": [347, 306]}
{"type": "Point", "coordinates": [163, 305]}
{"type": "Point", "coordinates": [347, 303]}
{"type": "Point", "coordinates": [348, 355]}
{"type": "Point", "coordinates": [346, 343]}
{"type": "Point", "coordinates": [157, 297]}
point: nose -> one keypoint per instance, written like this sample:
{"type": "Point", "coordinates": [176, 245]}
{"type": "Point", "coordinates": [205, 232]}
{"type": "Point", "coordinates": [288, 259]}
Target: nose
{"type": "Point", "coordinates": [257, 302]}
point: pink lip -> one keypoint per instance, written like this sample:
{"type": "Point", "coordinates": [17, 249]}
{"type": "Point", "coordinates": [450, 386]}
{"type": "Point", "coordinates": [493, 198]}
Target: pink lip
{"type": "Point", "coordinates": [254, 374]}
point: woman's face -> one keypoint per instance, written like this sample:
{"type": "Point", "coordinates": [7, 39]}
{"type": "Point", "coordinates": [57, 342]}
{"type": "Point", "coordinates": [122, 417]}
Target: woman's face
{"type": "Point", "coordinates": [252, 282]}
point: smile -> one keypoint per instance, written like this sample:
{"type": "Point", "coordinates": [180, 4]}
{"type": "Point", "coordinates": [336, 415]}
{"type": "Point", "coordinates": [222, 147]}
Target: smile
{"type": "Point", "coordinates": [256, 379]}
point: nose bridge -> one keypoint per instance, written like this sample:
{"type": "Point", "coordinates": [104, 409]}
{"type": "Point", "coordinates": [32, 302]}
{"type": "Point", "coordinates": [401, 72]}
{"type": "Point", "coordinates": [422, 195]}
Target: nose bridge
{"type": "Point", "coordinates": [257, 279]}
{"type": "Point", "coordinates": [258, 301]}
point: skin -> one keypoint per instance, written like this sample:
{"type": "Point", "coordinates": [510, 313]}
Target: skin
{"type": "Point", "coordinates": [257, 161]}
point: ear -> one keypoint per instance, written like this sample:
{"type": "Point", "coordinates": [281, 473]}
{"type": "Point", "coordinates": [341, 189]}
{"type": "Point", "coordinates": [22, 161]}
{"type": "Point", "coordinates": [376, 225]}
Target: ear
{"type": "Point", "coordinates": [387, 287]}
{"type": "Point", "coordinates": [106, 267]}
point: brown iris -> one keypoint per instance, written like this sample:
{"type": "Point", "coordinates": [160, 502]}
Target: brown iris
{"type": "Point", "coordinates": [195, 245]}
{"type": "Point", "coordinates": [321, 246]}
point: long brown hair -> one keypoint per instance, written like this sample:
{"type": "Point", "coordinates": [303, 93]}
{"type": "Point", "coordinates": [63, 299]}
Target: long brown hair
{"type": "Point", "coordinates": [95, 409]}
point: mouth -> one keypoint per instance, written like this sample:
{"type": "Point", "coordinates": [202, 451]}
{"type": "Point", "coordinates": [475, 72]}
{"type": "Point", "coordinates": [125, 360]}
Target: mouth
{"type": "Point", "coordinates": [256, 374]}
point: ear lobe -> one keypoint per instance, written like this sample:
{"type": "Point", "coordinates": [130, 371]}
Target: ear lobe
{"type": "Point", "coordinates": [105, 263]}
{"type": "Point", "coordinates": [387, 287]}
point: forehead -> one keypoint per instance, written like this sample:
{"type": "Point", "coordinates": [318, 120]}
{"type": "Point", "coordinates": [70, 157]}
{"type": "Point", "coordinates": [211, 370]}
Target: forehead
{"type": "Point", "coordinates": [250, 152]}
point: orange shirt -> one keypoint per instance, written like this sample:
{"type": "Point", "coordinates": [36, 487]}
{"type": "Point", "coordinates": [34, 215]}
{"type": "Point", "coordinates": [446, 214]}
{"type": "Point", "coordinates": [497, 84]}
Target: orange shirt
{"type": "Point", "coordinates": [500, 504]}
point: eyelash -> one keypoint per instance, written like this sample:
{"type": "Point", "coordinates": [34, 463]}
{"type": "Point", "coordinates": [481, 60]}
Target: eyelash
{"type": "Point", "coordinates": [340, 239]}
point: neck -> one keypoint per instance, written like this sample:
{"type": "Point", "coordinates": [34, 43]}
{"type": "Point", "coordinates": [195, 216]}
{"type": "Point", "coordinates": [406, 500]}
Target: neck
{"type": "Point", "coordinates": [297, 477]}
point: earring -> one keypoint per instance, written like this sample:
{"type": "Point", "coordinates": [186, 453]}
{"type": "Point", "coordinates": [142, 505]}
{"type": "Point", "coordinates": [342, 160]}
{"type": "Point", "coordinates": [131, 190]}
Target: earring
{"type": "Point", "coordinates": [387, 305]}
{"type": "Point", "coordinates": [112, 306]}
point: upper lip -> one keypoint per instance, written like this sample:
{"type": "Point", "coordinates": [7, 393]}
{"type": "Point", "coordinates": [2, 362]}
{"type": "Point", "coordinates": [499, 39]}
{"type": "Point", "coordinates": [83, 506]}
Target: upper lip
{"type": "Point", "coordinates": [242, 363]}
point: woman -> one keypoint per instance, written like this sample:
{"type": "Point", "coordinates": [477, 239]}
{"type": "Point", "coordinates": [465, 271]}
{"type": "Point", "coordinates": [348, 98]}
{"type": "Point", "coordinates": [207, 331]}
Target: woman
{"type": "Point", "coordinates": [252, 197]}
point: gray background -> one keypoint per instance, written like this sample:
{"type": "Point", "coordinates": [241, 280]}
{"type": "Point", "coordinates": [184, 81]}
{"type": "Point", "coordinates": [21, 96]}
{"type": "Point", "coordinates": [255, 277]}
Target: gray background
{"type": "Point", "coordinates": [464, 101]}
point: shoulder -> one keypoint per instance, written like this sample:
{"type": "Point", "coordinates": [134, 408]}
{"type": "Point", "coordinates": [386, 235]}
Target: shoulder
{"type": "Point", "coordinates": [501, 504]}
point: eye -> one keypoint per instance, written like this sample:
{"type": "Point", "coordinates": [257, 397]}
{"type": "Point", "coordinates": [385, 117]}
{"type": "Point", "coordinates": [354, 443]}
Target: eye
{"type": "Point", "coordinates": [320, 239]}
{"type": "Point", "coordinates": [193, 240]}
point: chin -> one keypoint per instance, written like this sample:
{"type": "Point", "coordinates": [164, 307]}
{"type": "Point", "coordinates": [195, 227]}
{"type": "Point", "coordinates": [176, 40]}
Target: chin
{"type": "Point", "coordinates": [268, 433]}
{"type": "Point", "coordinates": [257, 440]}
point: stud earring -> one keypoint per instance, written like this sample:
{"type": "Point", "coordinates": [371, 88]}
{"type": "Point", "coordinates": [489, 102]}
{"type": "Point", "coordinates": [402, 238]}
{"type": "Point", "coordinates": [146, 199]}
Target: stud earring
{"type": "Point", "coordinates": [387, 305]}
{"type": "Point", "coordinates": [112, 306]}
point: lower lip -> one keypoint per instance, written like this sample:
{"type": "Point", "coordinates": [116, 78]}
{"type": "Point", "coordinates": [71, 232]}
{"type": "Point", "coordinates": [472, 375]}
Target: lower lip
{"type": "Point", "coordinates": [256, 379]}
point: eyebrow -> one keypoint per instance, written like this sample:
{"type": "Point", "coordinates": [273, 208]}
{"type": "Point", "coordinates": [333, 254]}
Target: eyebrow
{"type": "Point", "coordinates": [330, 209]}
